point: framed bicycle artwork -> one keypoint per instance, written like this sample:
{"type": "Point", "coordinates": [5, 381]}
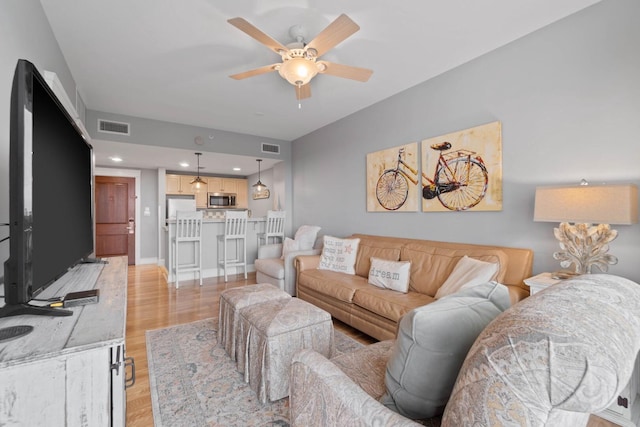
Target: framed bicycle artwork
{"type": "Point", "coordinates": [392, 179]}
{"type": "Point", "coordinates": [463, 170]}
{"type": "Point", "coordinates": [460, 171]}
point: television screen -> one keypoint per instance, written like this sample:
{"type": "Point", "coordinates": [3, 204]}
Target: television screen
{"type": "Point", "coordinates": [51, 193]}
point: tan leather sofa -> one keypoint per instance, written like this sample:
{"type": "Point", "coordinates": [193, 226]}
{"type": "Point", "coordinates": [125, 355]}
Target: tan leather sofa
{"type": "Point", "coordinates": [376, 311]}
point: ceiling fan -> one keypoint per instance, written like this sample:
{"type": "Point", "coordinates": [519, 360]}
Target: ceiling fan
{"type": "Point", "coordinates": [299, 59]}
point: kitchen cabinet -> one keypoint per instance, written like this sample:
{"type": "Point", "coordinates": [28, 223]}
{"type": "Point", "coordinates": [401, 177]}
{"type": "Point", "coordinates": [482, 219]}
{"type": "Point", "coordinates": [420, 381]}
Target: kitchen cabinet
{"type": "Point", "coordinates": [242, 199]}
{"type": "Point", "coordinates": [181, 184]}
{"type": "Point", "coordinates": [173, 184]}
{"type": "Point", "coordinates": [222, 185]}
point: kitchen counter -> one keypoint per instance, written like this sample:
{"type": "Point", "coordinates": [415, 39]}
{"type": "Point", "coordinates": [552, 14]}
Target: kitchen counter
{"type": "Point", "coordinates": [211, 229]}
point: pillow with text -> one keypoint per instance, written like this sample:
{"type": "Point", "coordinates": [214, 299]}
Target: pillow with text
{"type": "Point", "coordinates": [339, 255]}
{"type": "Point", "coordinates": [390, 274]}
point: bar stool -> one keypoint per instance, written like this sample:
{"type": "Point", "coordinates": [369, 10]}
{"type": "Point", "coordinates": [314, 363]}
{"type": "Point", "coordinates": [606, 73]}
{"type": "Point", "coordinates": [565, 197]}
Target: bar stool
{"type": "Point", "coordinates": [188, 230]}
{"type": "Point", "coordinates": [274, 227]}
{"type": "Point", "coordinates": [235, 229]}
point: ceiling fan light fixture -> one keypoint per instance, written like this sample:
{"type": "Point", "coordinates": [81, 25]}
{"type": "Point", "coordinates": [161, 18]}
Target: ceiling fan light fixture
{"type": "Point", "coordinates": [298, 71]}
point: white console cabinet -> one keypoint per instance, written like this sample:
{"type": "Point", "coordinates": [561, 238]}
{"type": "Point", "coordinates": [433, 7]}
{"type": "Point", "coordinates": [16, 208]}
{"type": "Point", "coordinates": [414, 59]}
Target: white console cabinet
{"type": "Point", "coordinates": [70, 371]}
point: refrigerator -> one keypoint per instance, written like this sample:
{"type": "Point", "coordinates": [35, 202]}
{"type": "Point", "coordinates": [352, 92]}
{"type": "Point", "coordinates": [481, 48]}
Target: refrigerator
{"type": "Point", "coordinates": [185, 202]}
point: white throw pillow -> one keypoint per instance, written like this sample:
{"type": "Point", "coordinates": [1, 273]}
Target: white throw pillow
{"type": "Point", "coordinates": [467, 273]}
{"type": "Point", "coordinates": [390, 274]}
{"type": "Point", "coordinates": [339, 255]}
{"type": "Point", "coordinates": [306, 236]}
{"type": "Point", "coordinates": [289, 245]}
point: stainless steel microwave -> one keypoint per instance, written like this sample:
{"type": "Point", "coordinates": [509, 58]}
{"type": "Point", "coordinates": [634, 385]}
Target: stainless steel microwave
{"type": "Point", "coordinates": [221, 200]}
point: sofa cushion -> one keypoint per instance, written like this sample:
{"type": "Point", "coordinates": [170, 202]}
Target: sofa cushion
{"type": "Point", "coordinates": [339, 255]}
{"type": "Point", "coordinates": [376, 248]}
{"type": "Point", "coordinates": [432, 265]}
{"type": "Point", "coordinates": [366, 366]}
{"type": "Point", "coordinates": [387, 303]}
{"type": "Point", "coordinates": [431, 345]}
{"type": "Point", "coordinates": [468, 272]}
{"type": "Point", "coordinates": [336, 285]}
{"type": "Point", "coordinates": [273, 267]}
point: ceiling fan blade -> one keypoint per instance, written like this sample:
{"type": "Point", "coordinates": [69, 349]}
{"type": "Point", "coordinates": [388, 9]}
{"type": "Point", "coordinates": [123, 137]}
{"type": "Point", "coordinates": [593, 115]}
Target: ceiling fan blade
{"type": "Point", "coordinates": [303, 91]}
{"type": "Point", "coordinates": [335, 33]}
{"type": "Point", "coordinates": [345, 71]}
{"type": "Point", "coordinates": [249, 29]}
{"type": "Point", "coordinates": [256, 72]}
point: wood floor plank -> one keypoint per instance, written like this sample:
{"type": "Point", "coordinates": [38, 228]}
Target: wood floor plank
{"type": "Point", "coordinates": [154, 304]}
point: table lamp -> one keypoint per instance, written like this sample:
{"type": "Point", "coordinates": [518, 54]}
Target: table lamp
{"type": "Point", "coordinates": [583, 244]}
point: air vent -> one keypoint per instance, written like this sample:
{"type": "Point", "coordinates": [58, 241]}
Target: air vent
{"type": "Point", "coordinates": [270, 148]}
{"type": "Point", "coordinates": [108, 126]}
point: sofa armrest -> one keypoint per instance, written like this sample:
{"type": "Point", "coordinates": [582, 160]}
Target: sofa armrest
{"type": "Point", "coordinates": [290, 274]}
{"type": "Point", "coordinates": [307, 262]}
{"type": "Point", "coordinates": [270, 251]}
{"type": "Point", "coordinates": [321, 394]}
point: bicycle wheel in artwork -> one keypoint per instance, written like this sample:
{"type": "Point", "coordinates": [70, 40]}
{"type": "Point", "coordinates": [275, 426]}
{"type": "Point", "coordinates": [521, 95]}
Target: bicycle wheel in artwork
{"type": "Point", "coordinates": [392, 179]}
{"type": "Point", "coordinates": [462, 171]}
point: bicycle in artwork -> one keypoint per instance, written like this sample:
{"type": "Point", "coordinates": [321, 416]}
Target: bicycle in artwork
{"type": "Point", "coordinates": [459, 181]}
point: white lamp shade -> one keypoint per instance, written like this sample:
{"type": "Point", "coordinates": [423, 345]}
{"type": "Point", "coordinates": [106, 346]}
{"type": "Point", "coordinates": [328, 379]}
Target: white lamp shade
{"type": "Point", "coordinates": [592, 204]}
{"type": "Point", "coordinates": [298, 71]}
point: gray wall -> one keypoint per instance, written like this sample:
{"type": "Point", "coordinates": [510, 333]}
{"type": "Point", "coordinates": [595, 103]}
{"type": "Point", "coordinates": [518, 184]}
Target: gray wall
{"type": "Point", "coordinates": [568, 97]}
{"type": "Point", "coordinates": [148, 226]}
{"type": "Point", "coordinates": [176, 135]}
{"type": "Point", "coordinates": [24, 34]}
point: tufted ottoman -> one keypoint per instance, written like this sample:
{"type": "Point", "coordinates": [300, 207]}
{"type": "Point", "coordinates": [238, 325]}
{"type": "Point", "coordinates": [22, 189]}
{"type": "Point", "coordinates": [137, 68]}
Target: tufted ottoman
{"type": "Point", "coordinates": [235, 299]}
{"type": "Point", "coordinates": [272, 333]}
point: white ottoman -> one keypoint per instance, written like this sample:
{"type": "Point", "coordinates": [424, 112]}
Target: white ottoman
{"type": "Point", "coordinates": [272, 332]}
{"type": "Point", "coordinates": [232, 301]}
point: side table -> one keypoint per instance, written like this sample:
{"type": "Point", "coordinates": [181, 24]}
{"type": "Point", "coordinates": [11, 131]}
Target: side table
{"type": "Point", "coordinates": [539, 282]}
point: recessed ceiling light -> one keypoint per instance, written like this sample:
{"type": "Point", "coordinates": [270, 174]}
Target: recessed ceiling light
{"type": "Point", "coordinates": [237, 169]}
{"type": "Point", "coordinates": [184, 164]}
{"type": "Point", "coordinates": [115, 159]}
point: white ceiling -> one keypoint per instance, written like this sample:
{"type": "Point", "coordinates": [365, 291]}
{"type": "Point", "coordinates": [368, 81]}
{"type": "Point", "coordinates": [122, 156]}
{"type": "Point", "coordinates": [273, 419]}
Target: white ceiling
{"type": "Point", "coordinates": [170, 60]}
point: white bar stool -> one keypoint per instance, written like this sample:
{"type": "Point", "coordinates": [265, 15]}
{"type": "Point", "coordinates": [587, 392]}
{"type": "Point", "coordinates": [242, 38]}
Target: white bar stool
{"type": "Point", "coordinates": [274, 228]}
{"type": "Point", "coordinates": [188, 230]}
{"type": "Point", "coordinates": [235, 229]}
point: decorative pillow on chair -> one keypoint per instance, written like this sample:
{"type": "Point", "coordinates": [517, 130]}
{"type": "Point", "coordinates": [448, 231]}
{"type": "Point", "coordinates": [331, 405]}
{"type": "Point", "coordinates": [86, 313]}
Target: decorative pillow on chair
{"type": "Point", "coordinates": [339, 255]}
{"type": "Point", "coordinates": [467, 273]}
{"type": "Point", "coordinates": [432, 342]}
{"type": "Point", "coordinates": [289, 245]}
{"type": "Point", "coordinates": [306, 236]}
{"type": "Point", "coordinates": [390, 274]}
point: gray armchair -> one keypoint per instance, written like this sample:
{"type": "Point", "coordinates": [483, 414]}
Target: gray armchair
{"type": "Point", "coordinates": [271, 268]}
{"type": "Point", "coordinates": [550, 360]}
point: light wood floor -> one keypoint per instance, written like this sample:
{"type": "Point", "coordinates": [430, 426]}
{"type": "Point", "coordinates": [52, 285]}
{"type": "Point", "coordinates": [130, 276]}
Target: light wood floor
{"type": "Point", "coordinates": [153, 304]}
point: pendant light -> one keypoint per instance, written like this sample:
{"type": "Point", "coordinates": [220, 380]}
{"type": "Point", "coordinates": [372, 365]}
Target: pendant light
{"type": "Point", "coordinates": [198, 183]}
{"type": "Point", "coordinates": [258, 186]}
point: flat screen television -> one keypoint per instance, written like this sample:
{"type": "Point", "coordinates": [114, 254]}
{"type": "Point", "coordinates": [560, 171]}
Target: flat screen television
{"type": "Point", "coordinates": [50, 194]}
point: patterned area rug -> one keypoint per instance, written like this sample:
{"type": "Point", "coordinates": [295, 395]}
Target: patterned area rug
{"type": "Point", "coordinates": [194, 383]}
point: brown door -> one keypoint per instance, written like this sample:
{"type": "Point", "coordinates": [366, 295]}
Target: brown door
{"type": "Point", "coordinates": [115, 217]}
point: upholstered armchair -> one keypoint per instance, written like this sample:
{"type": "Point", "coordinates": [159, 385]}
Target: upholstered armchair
{"type": "Point", "coordinates": [280, 271]}
{"type": "Point", "coordinates": [550, 360]}
{"type": "Point", "coordinates": [275, 262]}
